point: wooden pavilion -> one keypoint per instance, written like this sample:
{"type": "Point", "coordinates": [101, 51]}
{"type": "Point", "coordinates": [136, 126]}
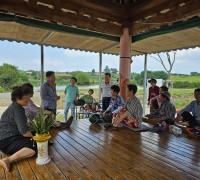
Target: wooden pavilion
{"type": "Point", "coordinates": [127, 28]}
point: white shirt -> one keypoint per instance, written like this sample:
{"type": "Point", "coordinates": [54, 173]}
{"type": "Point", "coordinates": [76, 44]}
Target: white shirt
{"type": "Point", "coordinates": [106, 91]}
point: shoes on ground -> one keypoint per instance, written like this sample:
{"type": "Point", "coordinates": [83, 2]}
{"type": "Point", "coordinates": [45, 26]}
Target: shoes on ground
{"type": "Point", "coordinates": [69, 122]}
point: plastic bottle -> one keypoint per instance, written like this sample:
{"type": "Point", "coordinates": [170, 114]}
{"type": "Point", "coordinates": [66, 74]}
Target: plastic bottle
{"type": "Point", "coordinates": [175, 130]}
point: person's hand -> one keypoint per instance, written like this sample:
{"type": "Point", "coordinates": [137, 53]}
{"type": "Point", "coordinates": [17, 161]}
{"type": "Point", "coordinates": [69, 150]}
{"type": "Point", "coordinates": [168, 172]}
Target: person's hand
{"type": "Point", "coordinates": [104, 113]}
{"type": "Point", "coordinates": [46, 112]}
{"type": "Point", "coordinates": [58, 97]}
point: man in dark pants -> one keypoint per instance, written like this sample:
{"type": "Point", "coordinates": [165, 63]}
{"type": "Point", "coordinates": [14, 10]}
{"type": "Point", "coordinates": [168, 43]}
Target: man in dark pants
{"type": "Point", "coordinates": [106, 91]}
{"type": "Point", "coordinates": [188, 119]}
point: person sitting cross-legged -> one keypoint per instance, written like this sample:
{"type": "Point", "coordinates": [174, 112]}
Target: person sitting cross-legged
{"type": "Point", "coordinates": [185, 117]}
{"type": "Point", "coordinates": [116, 103]}
{"type": "Point", "coordinates": [15, 135]}
{"type": "Point", "coordinates": [131, 115]}
{"type": "Point", "coordinates": [165, 112]}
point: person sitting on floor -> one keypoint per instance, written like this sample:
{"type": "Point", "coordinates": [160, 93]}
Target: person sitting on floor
{"type": "Point", "coordinates": [15, 135]}
{"type": "Point", "coordinates": [188, 119]}
{"type": "Point", "coordinates": [166, 111]}
{"type": "Point", "coordinates": [131, 115]}
{"type": "Point", "coordinates": [116, 103]}
{"type": "Point", "coordinates": [155, 102]}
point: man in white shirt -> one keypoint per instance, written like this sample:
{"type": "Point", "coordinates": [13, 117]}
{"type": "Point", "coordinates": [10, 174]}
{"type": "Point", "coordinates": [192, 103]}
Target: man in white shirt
{"type": "Point", "coordinates": [106, 91]}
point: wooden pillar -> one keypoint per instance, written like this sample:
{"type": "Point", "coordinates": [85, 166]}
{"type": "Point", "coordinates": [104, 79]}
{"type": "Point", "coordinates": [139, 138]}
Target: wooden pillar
{"type": "Point", "coordinates": [125, 64]}
{"type": "Point", "coordinates": [100, 73]}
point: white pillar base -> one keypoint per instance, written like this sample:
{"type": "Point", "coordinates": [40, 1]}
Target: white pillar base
{"type": "Point", "coordinates": [43, 161]}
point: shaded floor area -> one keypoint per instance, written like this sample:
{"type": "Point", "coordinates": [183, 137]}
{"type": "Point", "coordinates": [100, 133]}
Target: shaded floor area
{"type": "Point", "coordinates": [89, 152]}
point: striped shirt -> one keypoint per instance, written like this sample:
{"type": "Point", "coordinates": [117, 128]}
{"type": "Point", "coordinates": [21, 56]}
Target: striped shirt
{"type": "Point", "coordinates": [134, 109]}
{"type": "Point", "coordinates": [13, 121]}
{"type": "Point", "coordinates": [106, 91]}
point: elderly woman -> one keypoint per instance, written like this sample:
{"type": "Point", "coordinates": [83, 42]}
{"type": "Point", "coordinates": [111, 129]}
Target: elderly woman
{"type": "Point", "coordinates": [15, 136]}
{"type": "Point", "coordinates": [166, 111]}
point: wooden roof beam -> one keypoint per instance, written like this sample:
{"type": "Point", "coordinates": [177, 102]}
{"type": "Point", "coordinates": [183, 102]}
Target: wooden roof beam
{"type": "Point", "coordinates": [44, 13]}
{"type": "Point", "coordinates": [180, 14]}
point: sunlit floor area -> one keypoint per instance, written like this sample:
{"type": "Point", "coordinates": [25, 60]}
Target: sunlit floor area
{"type": "Point", "coordinates": [88, 151]}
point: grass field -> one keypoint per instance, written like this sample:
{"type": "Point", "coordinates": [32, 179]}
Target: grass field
{"type": "Point", "coordinates": [190, 79]}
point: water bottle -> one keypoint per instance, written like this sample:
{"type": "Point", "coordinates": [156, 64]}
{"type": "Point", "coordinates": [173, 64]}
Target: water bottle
{"type": "Point", "coordinates": [175, 130]}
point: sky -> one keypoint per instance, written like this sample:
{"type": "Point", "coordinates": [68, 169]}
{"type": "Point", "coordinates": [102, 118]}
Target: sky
{"type": "Point", "coordinates": [27, 57]}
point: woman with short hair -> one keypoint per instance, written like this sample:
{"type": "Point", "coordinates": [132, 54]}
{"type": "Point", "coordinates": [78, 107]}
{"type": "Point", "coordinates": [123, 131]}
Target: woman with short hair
{"type": "Point", "coordinates": [15, 135]}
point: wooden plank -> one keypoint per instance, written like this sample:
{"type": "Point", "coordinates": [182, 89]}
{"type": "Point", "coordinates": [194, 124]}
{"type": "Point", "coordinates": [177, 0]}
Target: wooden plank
{"type": "Point", "coordinates": [25, 170]}
{"type": "Point", "coordinates": [45, 13]}
{"type": "Point", "coordinates": [2, 171]}
{"type": "Point", "coordinates": [13, 174]}
{"type": "Point", "coordinates": [115, 149]}
{"type": "Point", "coordinates": [74, 163]}
{"type": "Point", "coordinates": [39, 171]}
{"type": "Point", "coordinates": [66, 168]}
{"type": "Point", "coordinates": [147, 153]}
{"type": "Point", "coordinates": [54, 171]}
{"type": "Point", "coordinates": [82, 158]}
{"type": "Point", "coordinates": [108, 158]}
{"type": "Point", "coordinates": [107, 165]}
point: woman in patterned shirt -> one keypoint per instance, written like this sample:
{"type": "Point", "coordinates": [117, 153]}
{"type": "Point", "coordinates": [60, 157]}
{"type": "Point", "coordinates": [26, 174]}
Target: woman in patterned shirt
{"type": "Point", "coordinates": [166, 111]}
{"type": "Point", "coordinates": [15, 135]}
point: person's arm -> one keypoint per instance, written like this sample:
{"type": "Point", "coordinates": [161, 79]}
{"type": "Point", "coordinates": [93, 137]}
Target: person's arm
{"type": "Point", "coordinates": [20, 120]}
{"type": "Point", "coordinates": [77, 94]}
{"type": "Point", "coordinates": [33, 108]}
{"type": "Point", "coordinates": [28, 134]}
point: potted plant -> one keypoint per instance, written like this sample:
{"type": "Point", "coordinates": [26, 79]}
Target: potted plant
{"type": "Point", "coordinates": [41, 125]}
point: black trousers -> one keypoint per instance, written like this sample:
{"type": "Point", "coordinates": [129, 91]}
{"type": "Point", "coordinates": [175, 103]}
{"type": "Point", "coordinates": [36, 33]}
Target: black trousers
{"type": "Point", "coordinates": [105, 102]}
{"type": "Point", "coordinates": [187, 116]}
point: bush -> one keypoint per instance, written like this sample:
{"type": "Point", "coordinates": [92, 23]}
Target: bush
{"type": "Point", "coordinates": [186, 84]}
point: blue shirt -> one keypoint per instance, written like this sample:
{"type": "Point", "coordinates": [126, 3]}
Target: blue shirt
{"type": "Point", "coordinates": [71, 93]}
{"type": "Point", "coordinates": [115, 102]}
{"type": "Point", "coordinates": [193, 107]}
{"type": "Point", "coordinates": [48, 96]}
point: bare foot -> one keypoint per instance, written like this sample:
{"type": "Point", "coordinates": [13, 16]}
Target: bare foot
{"type": "Point", "coordinates": [5, 164]}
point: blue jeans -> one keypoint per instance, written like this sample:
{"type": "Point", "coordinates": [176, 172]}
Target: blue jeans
{"type": "Point", "coordinates": [69, 105]}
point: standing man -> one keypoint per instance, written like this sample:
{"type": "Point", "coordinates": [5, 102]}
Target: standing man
{"type": "Point", "coordinates": [72, 94]}
{"type": "Point", "coordinates": [106, 91]}
{"type": "Point", "coordinates": [48, 94]}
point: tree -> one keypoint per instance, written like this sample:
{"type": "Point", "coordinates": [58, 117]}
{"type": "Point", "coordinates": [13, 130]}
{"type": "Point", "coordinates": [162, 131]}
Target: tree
{"type": "Point", "coordinates": [107, 69]}
{"type": "Point", "coordinates": [113, 70]}
{"type": "Point", "coordinates": [10, 76]}
{"type": "Point", "coordinates": [82, 77]}
{"type": "Point", "coordinates": [93, 71]}
{"type": "Point", "coordinates": [170, 62]}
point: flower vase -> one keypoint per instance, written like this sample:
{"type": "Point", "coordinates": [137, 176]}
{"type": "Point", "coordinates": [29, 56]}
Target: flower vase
{"type": "Point", "coordinates": [42, 147]}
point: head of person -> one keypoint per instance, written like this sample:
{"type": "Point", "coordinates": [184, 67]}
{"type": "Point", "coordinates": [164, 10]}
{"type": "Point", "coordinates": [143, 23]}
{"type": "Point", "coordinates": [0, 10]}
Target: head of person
{"type": "Point", "coordinates": [164, 96]}
{"type": "Point", "coordinates": [51, 76]}
{"type": "Point", "coordinates": [73, 81]}
{"type": "Point", "coordinates": [114, 90]}
{"type": "Point", "coordinates": [131, 90]}
{"type": "Point", "coordinates": [152, 81]}
{"type": "Point", "coordinates": [21, 95]}
{"type": "Point", "coordinates": [197, 94]}
{"type": "Point", "coordinates": [30, 86]}
{"type": "Point", "coordinates": [163, 88]}
{"type": "Point", "coordinates": [90, 92]}
{"type": "Point", "coordinates": [107, 77]}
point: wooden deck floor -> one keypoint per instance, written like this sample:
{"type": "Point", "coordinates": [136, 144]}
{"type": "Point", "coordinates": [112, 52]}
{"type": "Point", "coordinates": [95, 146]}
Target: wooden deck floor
{"type": "Point", "coordinates": [89, 152]}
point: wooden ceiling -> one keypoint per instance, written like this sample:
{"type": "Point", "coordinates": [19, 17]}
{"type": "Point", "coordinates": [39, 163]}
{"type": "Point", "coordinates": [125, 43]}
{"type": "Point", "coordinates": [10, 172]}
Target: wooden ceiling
{"type": "Point", "coordinates": [107, 17]}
